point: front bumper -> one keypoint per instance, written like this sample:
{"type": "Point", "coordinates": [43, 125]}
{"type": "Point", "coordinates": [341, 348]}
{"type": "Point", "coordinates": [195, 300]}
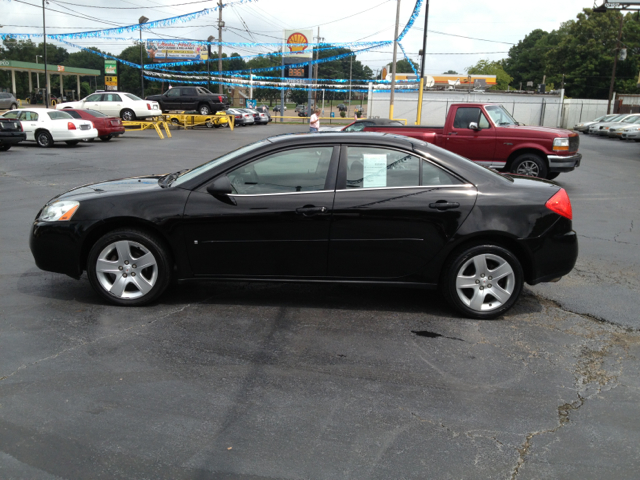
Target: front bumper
{"type": "Point", "coordinates": [559, 163]}
{"type": "Point", "coordinates": [57, 246]}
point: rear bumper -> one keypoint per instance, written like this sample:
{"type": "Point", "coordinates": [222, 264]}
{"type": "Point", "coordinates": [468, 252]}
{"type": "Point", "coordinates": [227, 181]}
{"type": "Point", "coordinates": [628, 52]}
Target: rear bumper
{"type": "Point", "coordinates": [554, 255]}
{"type": "Point", "coordinates": [12, 138]}
{"type": "Point", "coordinates": [559, 163]}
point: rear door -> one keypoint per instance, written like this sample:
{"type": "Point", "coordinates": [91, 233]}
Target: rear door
{"type": "Point", "coordinates": [478, 145]}
{"type": "Point", "coordinates": [188, 98]}
{"type": "Point", "coordinates": [277, 222]}
{"type": "Point", "coordinates": [29, 120]}
{"type": "Point", "coordinates": [393, 213]}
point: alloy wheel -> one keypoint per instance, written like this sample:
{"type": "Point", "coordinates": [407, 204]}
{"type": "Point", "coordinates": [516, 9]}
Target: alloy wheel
{"type": "Point", "coordinates": [529, 168]}
{"type": "Point", "coordinates": [485, 282]}
{"type": "Point", "coordinates": [126, 269]}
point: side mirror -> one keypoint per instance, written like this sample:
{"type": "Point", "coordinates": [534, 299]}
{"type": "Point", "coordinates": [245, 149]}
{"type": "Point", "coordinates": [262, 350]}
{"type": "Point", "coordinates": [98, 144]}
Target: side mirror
{"type": "Point", "coordinates": [220, 187]}
{"type": "Point", "coordinates": [474, 126]}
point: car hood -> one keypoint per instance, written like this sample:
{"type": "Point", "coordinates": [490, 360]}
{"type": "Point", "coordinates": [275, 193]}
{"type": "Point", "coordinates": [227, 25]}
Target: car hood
{"type": "Point", "coordinates": [560, 132]}
{"type": "Point", "coordinates": [120, 186]}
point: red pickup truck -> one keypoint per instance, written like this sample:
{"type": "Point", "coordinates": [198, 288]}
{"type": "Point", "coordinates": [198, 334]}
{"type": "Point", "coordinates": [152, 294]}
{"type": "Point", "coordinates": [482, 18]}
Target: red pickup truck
{"type": "Point", "coordinates": [488, 134]}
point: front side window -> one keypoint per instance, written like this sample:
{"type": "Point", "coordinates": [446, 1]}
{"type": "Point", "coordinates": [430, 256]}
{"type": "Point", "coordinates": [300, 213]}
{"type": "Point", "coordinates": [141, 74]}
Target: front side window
{"type": "Point", "coordinates": [93, 98]}
{"type": "Point", "coordinates": [500, 116]}
{"type": "Point", "coordinates": [466, 115]}
{"type": "Point", "coordinates": [299, 170]}
{"type": "Point", "coordinates": [174, 92]}
{"type": "Point", "coordinates": [29, 116]}
{"type": "Point", "coordinates": [380, 167]}
{"type": "Point", "coordinates": [188, 92]}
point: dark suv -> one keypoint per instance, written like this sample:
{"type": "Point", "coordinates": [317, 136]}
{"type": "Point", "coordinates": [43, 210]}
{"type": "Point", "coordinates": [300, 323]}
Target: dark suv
{"type": "Point", "coordinates": [191, 98]}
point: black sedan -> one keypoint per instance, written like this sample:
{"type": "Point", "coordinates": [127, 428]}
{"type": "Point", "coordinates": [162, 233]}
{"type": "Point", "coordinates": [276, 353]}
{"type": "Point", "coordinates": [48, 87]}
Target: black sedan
{"type": "Point", "coordinates": [343, 207]}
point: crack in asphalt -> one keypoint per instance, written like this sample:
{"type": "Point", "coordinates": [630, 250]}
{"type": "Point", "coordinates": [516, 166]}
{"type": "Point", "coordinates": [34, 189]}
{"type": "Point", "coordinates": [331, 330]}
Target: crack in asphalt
{"type": "Point", "coordinates": [81, 344]}
{"type": "Point", "coordinates": [614, 239]}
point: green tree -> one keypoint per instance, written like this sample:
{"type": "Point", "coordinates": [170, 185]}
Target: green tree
{"type": "Point", "coordinates": [450, 72]}
{"type": "Point", "coordinates": [527, 60]}
{"type": "Point", "coordinates": [403, 66]}
{"type": "Point", "coordinates": [487, 67]}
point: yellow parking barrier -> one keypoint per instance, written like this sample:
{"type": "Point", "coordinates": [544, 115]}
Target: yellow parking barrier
{"type": "Point", "coordinates": [190, 120]}
{"type": "Point", "coordinates": [144, 125]}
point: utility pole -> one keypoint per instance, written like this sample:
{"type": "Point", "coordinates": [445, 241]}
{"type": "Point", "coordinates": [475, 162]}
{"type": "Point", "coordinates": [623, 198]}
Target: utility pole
{"type": "Point", "coordinates": [46, 77]}
{"type": "Point", "coordinates": [142, 20]}
{"type": "Point", "coordinates": [395, 56]}
{"type": "Point", "coordinates": [350, 72]}
{"type": "Point", "coordinates": [220, 25]}
{"type": "Point", "coordinates": [424, 54]}
{"type": "Point", "coordinates": [615, 64]}
{"type": "Point", "coordinates": [315, 93]}
{"type": "Point", "coordinates": [210, 39]}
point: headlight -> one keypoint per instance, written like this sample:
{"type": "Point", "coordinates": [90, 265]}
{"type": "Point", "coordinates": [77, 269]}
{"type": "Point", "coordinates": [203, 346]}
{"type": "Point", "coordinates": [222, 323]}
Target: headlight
{"type": "Point", "coordinates": [59, 211]}
{"type": "Point", "coordinates": [561, 144]}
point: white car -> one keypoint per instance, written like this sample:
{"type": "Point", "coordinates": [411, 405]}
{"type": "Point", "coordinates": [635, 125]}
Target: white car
{"type": "Point", "coordinates": [116, 104]}
{"type": "Point", "coordinates": [46, 125]}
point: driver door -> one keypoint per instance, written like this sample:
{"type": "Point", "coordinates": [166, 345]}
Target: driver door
{"type": "Point", "coordinates": [275, 224]}
{"type": "Point", "coordinates": [171, 100]}
{"type": "Point", "coordinates": [478, 145]}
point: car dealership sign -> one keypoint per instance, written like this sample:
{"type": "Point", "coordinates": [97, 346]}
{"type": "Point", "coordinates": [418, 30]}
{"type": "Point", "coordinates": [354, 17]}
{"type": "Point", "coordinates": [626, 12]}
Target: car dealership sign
{"type": "Point", "coordinates": [163, 50]}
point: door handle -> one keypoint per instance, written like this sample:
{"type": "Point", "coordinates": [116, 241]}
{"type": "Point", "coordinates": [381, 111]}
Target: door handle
{"type": "Point", "coordinates": [452, 133]}
{"type": "Point", "coordinates": [444, 205]}
{"type": "Point", "coordinates": [309, 210]}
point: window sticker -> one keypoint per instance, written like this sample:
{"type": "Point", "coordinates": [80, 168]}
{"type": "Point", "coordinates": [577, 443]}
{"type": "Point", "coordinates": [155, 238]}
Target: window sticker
{"type": "Point", "coordinates": [375, 170]}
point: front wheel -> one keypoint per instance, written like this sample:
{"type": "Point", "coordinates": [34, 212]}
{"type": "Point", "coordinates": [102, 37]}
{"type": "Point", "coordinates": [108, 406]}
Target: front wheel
{"type": "Point", "coordinates": [4, 148]}
{"type": "Point", "coordinates": [482, 281]}
{"type": "Point", "coordinates": [44, 139]}
{"type": "Point", "coordinates": [127, 115]}
{"type": "Point", "coordinates": [530, 164]}
{"type": "Point", "coordinates": [129, 267]}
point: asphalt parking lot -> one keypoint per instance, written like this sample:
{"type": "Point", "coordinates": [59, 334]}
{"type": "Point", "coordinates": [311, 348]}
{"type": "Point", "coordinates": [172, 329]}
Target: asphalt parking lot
{"type": "Point", "coordinates": [263, 381]}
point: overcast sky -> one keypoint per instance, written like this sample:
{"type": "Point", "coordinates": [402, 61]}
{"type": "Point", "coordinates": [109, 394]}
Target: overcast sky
{"type": "Point", "coordinates": [504, 22]}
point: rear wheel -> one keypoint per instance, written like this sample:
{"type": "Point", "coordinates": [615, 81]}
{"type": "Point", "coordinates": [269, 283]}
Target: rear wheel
{"type": "Point", "coordinates": [129, 267]}
{"type": "Point", "coordinates": [482, 281]}
{"type": "Point", "coordinates": [204, 110]}
{"type": "Point", "coordinates": [127, 115]}
{"type": "Point", "coordinates": [43, 139]}
{"type": "Point", "coordinates": [13, 106]}
{"type": "Point", "coordinates": [530, 164]}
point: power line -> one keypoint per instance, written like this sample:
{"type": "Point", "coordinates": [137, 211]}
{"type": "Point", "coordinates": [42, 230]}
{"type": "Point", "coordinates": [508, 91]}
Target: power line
{"type": "Point", "coordinates": [462, 36]}
{"type": "Point", "coordinates": [130, 8]}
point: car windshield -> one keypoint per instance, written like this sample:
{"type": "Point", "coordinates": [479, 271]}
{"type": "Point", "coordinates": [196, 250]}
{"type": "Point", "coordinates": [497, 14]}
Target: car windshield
{"type": "Point", "coordinates": [95, 113]}
{"type": "Point", "coordinates": [133, 97]}
{"type": "Point", "coordinates": [633, 119]}
{"type": "Point", "coordinates": [59, 115]}
{"type": "Point", "coordinates": [205, 167]}
{"type": "Point", "coordinates": [500, 116]}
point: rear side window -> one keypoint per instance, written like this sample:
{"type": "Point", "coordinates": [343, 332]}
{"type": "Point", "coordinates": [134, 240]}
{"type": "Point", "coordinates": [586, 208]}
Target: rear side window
{"type": "Point", "coordinates": [369, 167]}
{"type": "Point", "coordinates": [30, 116]}
{"type": "Point", "coordinates": [59, 115]}
{"type": "Point", "coordinates": [73, 114]}
{"type": "Point", "coordinates": [95, 113]}
{"type": "Point", "coordinates": [187, 92]}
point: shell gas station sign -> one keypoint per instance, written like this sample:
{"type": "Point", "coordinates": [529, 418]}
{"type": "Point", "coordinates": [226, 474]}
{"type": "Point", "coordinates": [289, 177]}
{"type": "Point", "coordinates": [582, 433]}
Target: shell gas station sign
{"type": "Point", "coordinates": [296, 44]}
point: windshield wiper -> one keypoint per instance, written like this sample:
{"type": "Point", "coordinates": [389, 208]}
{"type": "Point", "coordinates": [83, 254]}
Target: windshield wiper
{"type": "Point", "coordinates": [170, 178]}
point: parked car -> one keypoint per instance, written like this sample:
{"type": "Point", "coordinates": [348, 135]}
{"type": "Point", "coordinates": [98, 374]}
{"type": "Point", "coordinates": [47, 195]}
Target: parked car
{"type": "Point", "coordinates": [191, 98]}
{"type": "Point", "coordinates": [195, 119]}
{"type": "Point", "coordinates": [108, 127]}
{"type": "Point", "coordinates": [259, 118]}
{"type": "Point", "coordinates": [342, 107]}
{"type": "Point", "coordinates": [316, 208]}
{"type": "Point", "coordinates": [584, 126]}
{"type": "Point", "coordinates": [116, 104]}
{"type": "Point", "coordinates": [241, 118]}
{"type": "Point", "coordinates": [359, 125]}
{"type": "Point", "coordinates": [46, 126]}
{"type": "Point", "coordinates": [602, 128]}
{"type": "Point", "coordinates": [277, 108]}
{"type": "Point", "coordinates": [631, 133]}
{"type": "Point", "coordinates": [487, 134]}
{"type": "Point", "coordinates": [264, 109]}
{"type": "Point", "coordinates": [615, 128]}
{"type": "Point", "coordinates": [11, 133]}
{"type": "Point", "coordinates": [8, 101]}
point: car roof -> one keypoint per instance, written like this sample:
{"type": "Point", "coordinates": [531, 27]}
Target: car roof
{"type": "Point", "coordinates": [344, 137]}
{"type": "Point", "coordinates": [378, 121]}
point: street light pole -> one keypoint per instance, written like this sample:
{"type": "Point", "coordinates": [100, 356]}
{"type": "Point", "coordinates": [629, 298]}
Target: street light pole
{"type": "Point", "coordinates": [37, 75]}
{"type": "Point", "coordinates": [615, 64]}
{"type": "Point", "coordinates": [220, 46]}
{"type": "Point", "coordinates": [46, 78]}
{"type": "Point", "coordinates": [142, 20]}
{"type": "Point", "coordinates": [393, 67]}
{"type": "Point", "coordinates": [210, 39]}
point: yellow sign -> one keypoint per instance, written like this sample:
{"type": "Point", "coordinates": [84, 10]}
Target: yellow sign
{"type": "Point", "coordinates": [297, 43]}
{"type": "Point", "coordinates": [111, 81]}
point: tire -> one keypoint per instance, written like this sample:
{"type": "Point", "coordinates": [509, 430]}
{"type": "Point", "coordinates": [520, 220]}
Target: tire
{"type": "Point", "coordinates": [13, 106]}
{"type": "Point", "coordinates": [106, 138]}
{"type": "Point", "coordinates": [43, 139]}
{"type": "Point", "coordinates": [468, 285]}
{"type": "Point", "coordinates": [72, 143]}
{"type": "Point", "coordinates": [529, 164]}
{"type": "Point", "coordinates": [4, 148]}
{"type": "Point", "coordinates": [204, 110]}
{"type": "Point", "coordinates": [552, 175]}
{"type": "Point", "coordinates": [115, 275]}
{"type": "Point", "coordinates": [127, 115]}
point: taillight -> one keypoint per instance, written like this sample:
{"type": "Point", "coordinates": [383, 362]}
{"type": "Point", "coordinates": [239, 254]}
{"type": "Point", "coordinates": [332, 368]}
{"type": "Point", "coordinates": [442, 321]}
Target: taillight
{"type": "Point", "coordinates": [560, 204]}
{"type": "Point", "coordinates": [71, 126]}
{"type": "Point", "coordinates": [238, 117]}
{"type": "Point", "coordinates": [220, 99]}
{"type": "Point", "coordinates": [148, 106]}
